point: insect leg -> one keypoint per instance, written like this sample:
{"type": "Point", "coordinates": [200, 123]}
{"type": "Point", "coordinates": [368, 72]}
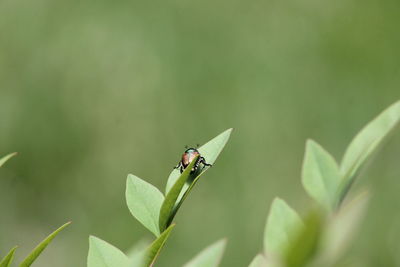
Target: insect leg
{"type": "Point", "coordinates": [179, 165]}
{"type": "Point", "coordinates": [203, 160]}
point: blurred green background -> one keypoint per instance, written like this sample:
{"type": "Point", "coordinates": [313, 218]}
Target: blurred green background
{"type": "Point", "coordinates": [93, 90]}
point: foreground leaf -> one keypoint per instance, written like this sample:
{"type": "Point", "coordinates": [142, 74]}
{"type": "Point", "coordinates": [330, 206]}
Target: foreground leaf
{"type": "Point", "coordinates": [6, 158]}
{"type": "Point", "coordinates": [6, 261]}
{"type": "Point", "coordinates": [186, 189]}
{"type": "Point", "coordinates": [320, 175]}
{"type": "Point", "coordinates": [102, 254]}
{"type": "Point", "coordinates": [42, 245]}
{"type": "Point", "coordinates": [283, 224]}
{"type": "Point", "coordinates": [210, 256]}
{"type": "Point", "coordinates": [258, 261]}
{"type": "Point", "coordinates": [365, 143]}
{"type": "Point", "coordinates": [167, 207]}
{"type": "Point", "coordinates": [302, 249]}
{"type": "Point", "coordinates": [144, 202]}
{"type": "Point", "coordinates": [210, 151]}
{"type": "Point", "coordinates": [155, 248]}
{"type": "Point", "coordinates": [183, 195]}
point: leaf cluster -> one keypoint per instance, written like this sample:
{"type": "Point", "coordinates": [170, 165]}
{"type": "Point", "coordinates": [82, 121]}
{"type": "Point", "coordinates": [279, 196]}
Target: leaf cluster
{"type": "Point", "coordinates": [156, 211]}
{"type": "Point", "coordinates": [317, 239]}
{"type": "Point", "coordinates": [34, 254]}
{"type": "Point", "coordinates": [322, 236]}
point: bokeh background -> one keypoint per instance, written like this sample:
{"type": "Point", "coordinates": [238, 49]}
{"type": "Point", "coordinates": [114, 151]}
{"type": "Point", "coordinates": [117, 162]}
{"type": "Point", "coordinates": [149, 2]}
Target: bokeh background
{"type": "Point", "coordinates": [93, 90]}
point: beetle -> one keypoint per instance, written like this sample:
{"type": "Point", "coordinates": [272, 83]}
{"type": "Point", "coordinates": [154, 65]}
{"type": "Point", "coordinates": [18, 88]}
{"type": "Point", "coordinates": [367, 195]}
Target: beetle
{"type": "Point", "coordinates": [187, 158]}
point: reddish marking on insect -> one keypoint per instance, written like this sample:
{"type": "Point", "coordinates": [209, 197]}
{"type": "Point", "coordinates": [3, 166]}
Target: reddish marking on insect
{"type": "Point", "coordinates": [188, 156]}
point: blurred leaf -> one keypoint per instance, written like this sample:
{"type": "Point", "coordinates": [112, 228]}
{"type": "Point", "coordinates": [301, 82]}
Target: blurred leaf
{"type": "Point", "coordinates": [302, 249]}
{"type": "Point", "coordinates": [320, 175]}
{"type": "Point", "coordinates": [102, 254]}
{"type": "Point", "coordinates": [365, 143]}
{"type": "Point", "coordinates": [144, 202]}
{"type": "Point", "coordinates": [210, 256]}
{"type": "Point", "coordinates": [209, 151]}
{"type": "Point", "coordinates": [137, 253]}
{"type": "Point", "coordinates": [39, 248]}
{"type": "Point", "coordinates": [6, 261]}
{"type": "Point", "coordinates": [341, 229]}
{"type": "Point", "coordinates": [282, 224]}
{"type": "Point", "coordinates": [154, 250]}
{"type": "Point", "coordinates": [6, 158]}
{"type": "Point", "coordinates": [259, 261]}
{"type": "Point", "coordinates": [169, 202]}
{"type": "Point", "coordinates": [138, 260]}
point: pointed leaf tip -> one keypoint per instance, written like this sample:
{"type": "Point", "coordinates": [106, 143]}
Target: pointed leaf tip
{"type": "Point", "coordinates": [7, 260]}
{"type": "Point", "coordinates": [6, 158]}
{"type": "Point", "coordinates": [259, 261]}
{"type": "Point", "coordinates": [283, 223]}
{"type": "Point", "coordinates": [365, 143]}
{"type": "Point", "coordinates": [210, 256]}
{"type": "Point", "coordinates": [210, 151]}
{"type": "Point", "coordinates": [42, 245]}
{"type": "Point", "coordinates": [144, 202]}
{"type": "Point", "coordinates": [103, 254]}
{"type": "Point", "coordinates": [320, 175]}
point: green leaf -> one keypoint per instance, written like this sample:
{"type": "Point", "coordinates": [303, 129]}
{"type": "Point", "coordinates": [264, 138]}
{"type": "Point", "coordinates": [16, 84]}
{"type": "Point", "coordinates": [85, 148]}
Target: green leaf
{"type": "Point", "coordinates": [283, 223]}
{"type": "Point", "coordinates": [341, 230]}
{"type": "Point", "coordinates": [172, 178]}
{"type": "Point", "coordinates": [155, 248]}
{"type": "Point", "coordinates": [259, 261]}
{"type": "Point", "coordinates": [320, 175]}
{"type": "Point", "coordinates": [137, 259]}
{"type": "Point", "coordinates": [209, 151]}
{"type": "Point", "coordinates": [169, 202]}
{"type": "Point", "coordinates": [102, 254]}
{"type": "Point", "coordinates": [365, 143]}
{"type": "Point", "coordinates": [6, 158]}
{"type": "Point", "coordinates": [210, 256]}
{"type": "Point", "coordinates": [42, 245]}
{"type": "Point", "coordinates": [6, 261]}
{"type": "Point", "coordinates": [302, 249]}
{"type": "Point", "coordinates": [183, 195]}
{"type": "Point", "coordinates": [186, 189]}
{"type": "Point", "coordinates": [137, 253]}
{"type": "Point", "coordinates": [144, 202]}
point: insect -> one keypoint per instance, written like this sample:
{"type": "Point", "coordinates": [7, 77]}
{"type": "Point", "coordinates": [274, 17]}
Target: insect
{"type": "Point", "coordinates": [187, 158]}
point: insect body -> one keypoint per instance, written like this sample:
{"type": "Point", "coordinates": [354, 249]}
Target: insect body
{"type": "Point", "coordinates": [187, 158]}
